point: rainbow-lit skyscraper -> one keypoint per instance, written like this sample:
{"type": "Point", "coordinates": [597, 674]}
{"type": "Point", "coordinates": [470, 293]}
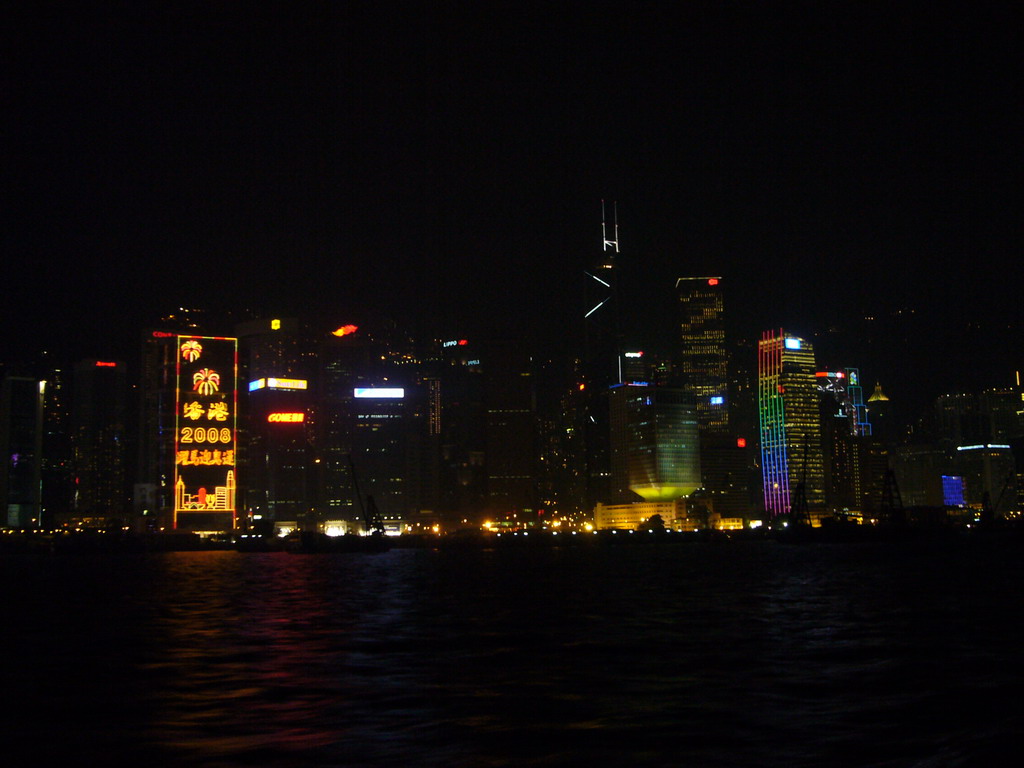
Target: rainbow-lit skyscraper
{"type": "Point", "coordinates": [789, 424]}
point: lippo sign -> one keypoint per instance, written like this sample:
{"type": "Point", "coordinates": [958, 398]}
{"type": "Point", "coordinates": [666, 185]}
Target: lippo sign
{"type": "Point", "coordinates": [205, 435]}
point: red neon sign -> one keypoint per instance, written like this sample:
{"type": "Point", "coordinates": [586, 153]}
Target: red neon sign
{"type": "Point", "coordinates": [101, 364]}
{"type": "Point", "coordinates": [741, 442]}
{"type": "Point", "coordinates": [712, 281]}
{"type": "Point", "coordinates": [292, 418]}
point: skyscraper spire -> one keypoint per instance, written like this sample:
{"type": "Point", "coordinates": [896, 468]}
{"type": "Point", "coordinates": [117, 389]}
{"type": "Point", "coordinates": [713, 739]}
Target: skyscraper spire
{"type": "Point", "coordinates": [610, 246]}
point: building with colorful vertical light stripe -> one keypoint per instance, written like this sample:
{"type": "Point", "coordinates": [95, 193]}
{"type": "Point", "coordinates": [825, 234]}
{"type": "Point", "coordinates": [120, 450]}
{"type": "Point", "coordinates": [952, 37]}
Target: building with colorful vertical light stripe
{"type": "Point", "coordinates": [790, 430]}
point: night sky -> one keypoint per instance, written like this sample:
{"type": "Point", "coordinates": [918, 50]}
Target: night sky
{"type": "Point", "coordinates": [444, 164]}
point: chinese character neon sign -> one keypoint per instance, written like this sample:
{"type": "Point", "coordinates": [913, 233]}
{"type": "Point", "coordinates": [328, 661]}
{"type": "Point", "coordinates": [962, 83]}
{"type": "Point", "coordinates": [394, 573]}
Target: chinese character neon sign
{"type": "Point", "coordinates": [205, 433]}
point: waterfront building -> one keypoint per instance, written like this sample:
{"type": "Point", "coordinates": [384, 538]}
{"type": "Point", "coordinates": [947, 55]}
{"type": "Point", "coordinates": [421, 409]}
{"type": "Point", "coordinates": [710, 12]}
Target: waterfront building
{"type": "Point", "coordinates": [990, 478]}
{"type": "Point", "coordinates": [280, 457]}
{"type": "Point", "coordinates": [205, 433]}
{"type": "Point", "coordinates": [456, 442]}
{"type": "Point", "coordinates": [702, 371]}
{"type": "Point", "coordinates": [99, 408]}
{"type": "Point", "coordinates": [21, 446]}
{"type": "Point", "coordinates": [655, 443]}
{"type": "Point", "coordinates": [600, 364]}
{"type": "Point", "coordinates": [279, 418]}
{"type": "Point", "coordinates": [633, 516]}
{"type": "Point", "coordinates": [153, 490]}
{"type": "Point", "coordinates": [382, 451]}
{"type": "Point", "coordinates": [511, 441]}
{"type": "Point", "coordinates": [57, 478]}
{"type": "Point", "coordinates": [703, 358]}
{"type": "Point", "coordinates": [348, 358]}
{"type": "Point", "coordinates": [790, 432]}
{"type": "Point", "coordinates": [726, 463]}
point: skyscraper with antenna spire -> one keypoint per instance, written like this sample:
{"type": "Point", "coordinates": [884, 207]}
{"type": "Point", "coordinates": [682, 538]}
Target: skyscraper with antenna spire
{"type": "Point", "coordinates": [601, 310]}
{"type": "Point", "coordinates": [600, 360]}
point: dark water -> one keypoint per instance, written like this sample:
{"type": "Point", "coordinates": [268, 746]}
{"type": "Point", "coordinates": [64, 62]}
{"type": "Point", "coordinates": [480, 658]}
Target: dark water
{"type": "Point", "coordinates": [735, 654]}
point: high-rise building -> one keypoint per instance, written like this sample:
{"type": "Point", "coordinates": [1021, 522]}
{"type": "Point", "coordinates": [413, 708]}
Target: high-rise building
{"type": "Point", "coordinates": [655, 443]}
{"type": "Point", "coordinates": [374, 422]}
{"type": "Point", "coordinates": [457, 419]}
{"type": "Point", "coordinates": [382, 451]}
{"type": "Point", "coordinates": [348, 358]}
{"type": "Point", "coordinates": [1002, 413]}
{"type": "Point", "coordinates": [703, 370]}
{"type": "Point", "coordinates": [790, 432]}
{"type": "Point", "coordinates": [21, 446]}
{"type": "Point", "coordinates": [841, 422]}
{"type": "Point", "coordinates": [880, 413]}
{"type": "Point", "coordinates": [57, 471]}
{"type": "Point", "coordinates": [511, 431]}
{"type": "Point", "coordinates": [275, 439]}
{"type": "Point", "coordinates": [600, 365]}
{"type": "Point", "coordinates": [99, 408]}
{"type": "Point", "coordinates": [206, 433]}
{"type": "Point", "coordinates": [957, 420]}
{"type": "Point", "coordinates": [153, 491]}
{"type": "Point", "coordinates": [280, 466]}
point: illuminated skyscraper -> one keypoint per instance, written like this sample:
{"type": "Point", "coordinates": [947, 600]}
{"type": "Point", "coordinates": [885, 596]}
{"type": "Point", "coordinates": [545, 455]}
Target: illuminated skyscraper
{"type": "Point", "coordinates": [276, 439]}
{"type": "Point", "coordinates": [790, 430]}
{"type": "Point", "coordinates": [703, 357]}
{"type": "Point", "coordinates": [205, 433]}
{"type": "Point", "coordinates": [655, 444]}
{"type": "Point", "coordinates": [702, 372]}
{"type": "Point", "coordinates": [601, 364]}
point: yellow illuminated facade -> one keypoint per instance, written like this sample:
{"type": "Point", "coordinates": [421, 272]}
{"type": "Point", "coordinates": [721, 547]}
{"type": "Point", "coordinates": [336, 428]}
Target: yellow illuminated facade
{"type": "Point", "coordinates": [629, 517]}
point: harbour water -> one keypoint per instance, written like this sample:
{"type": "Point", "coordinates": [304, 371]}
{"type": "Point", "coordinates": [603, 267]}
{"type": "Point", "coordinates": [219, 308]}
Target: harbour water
{"type": "Point", "coordinates": [697, 654]}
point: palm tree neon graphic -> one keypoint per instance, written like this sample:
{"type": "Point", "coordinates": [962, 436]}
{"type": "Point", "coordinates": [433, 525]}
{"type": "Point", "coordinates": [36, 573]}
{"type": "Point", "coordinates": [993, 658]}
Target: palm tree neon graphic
{"type": "Point", "coordinates": [191, 350]}
{"type": "Point", "coordinates": [205, 381]}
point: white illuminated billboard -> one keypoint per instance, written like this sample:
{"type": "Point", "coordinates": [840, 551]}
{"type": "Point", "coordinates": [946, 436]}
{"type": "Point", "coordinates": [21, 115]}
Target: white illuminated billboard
{"type": "Point", "coordinates": [380, 393]}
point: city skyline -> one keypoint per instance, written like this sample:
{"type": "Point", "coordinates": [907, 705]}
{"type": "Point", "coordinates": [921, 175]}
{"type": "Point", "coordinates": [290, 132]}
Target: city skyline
{"type": "Point", "coordinates": [434, 167]}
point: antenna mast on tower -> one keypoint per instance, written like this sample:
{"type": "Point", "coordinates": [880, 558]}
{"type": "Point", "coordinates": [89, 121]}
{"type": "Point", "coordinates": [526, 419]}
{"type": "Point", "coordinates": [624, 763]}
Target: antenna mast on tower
{"type": "Point", "coordinates": [614, 242]}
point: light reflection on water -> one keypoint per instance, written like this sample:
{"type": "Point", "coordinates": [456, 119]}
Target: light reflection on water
{"type": "Point", "coordinates": [692, 654]}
